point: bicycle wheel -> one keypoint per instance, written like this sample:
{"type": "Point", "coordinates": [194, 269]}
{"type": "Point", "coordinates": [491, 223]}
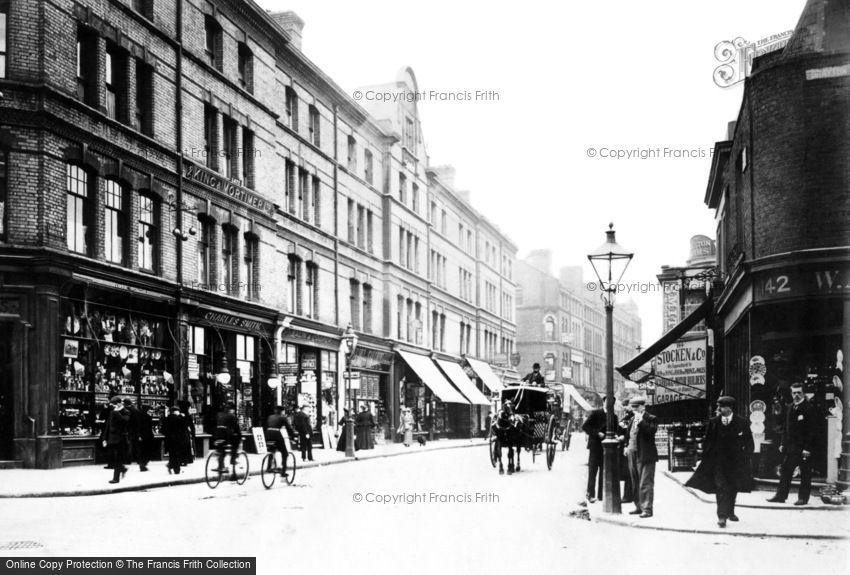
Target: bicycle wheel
{"type": "Point", "coordinates": [290, 468]}
{"type": "Point", "coordinates": [240, 468]}
{"type": "Point", "coordinates": [212, 473]}
{"type": "Point", "coordinates": [269, 470]}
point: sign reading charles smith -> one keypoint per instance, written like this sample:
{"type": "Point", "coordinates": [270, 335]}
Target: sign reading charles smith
{"type": "Point", "coordinates": [232, 190]}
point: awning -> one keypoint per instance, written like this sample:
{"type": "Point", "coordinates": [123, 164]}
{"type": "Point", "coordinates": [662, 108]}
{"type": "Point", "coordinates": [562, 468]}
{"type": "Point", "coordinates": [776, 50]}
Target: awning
{"type": "Point", "coordinates": [462, 382]}
{"type": "Point", "coordinates": [486, 374]}
{"type": "Point", "coordinates": [431, 376]}
{"type": "Point", "coordinates": [667, 339]}
{"type": "Point", "coordinates": [583, 403]}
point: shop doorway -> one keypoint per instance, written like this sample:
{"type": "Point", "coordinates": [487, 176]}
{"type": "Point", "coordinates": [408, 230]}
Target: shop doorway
{"type": "Point", "coordinates": [7, 419]}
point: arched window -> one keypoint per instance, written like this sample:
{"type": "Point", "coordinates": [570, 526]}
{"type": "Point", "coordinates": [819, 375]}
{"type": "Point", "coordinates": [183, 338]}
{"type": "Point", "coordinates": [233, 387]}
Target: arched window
{"type": "Point", "coordinates": [549, 328]}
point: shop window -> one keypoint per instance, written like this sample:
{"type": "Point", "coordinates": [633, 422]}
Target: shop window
{"type": "Point", "coordinates": [291, 100]}
{"type": "Point", "coordinates": [352, 154]}
{"type": "Point", "coordinates": [367, 308]}
{"type": "Point", "coordinates": [148, 233]}
{"type": "Point", "coordinates": [213, 42]}
{"type": "Point", "coordinates": [115, 222]}
{"type": "Point", "coordinates": [315, 126]}
{"type": "Point", "coordinates": [248, 155]}
{"type": "Point", "coordinates": [4, 35]}
{"type": "Point", "coordinates": [196, 340]}
{"type": "Point", "coordinates": [369, 173]}
{"type": "Point", "coordinates": [245, 68]}
{"type": "Point", "coordinates": [86, 70]}
{"type": "Point", "coordinates": [204, 247]}
{"type": "Point", "coordinates": [3, 194]}
{"type": "Point", "coordinates": [228, 252]}
{"type": "Point", "coordinates": [79, 204]}
{"type": "Point", "coordinates": [210, 137]}
{"type": "Point", "coordinates": [311, 290]}
{"type": "Point", "coordinates": [245, 359]}
{"type": "Point", "coordinates": [144, 98]}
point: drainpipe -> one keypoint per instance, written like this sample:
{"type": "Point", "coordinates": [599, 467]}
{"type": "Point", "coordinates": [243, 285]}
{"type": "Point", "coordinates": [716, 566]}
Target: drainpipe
{"type": "Point", "coordinates": [178, 106]}
{"type": "Point", "coordinates": [336, 215]}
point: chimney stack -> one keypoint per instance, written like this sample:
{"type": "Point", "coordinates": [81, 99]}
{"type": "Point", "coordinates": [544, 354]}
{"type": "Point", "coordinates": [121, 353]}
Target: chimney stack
{"type": "Point", "coordinates": [292, 24]}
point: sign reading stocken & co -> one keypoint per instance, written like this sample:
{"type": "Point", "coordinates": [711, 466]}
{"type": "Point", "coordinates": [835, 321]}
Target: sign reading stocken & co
{"type": "Point", "coordinates": [232, 190]}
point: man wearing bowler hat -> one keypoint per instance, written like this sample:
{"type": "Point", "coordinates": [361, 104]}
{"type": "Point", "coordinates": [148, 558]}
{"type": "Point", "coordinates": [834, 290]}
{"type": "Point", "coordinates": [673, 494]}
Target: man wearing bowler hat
{"type": "Point", "coordinates": [798, 437]}
{"type": "Point", "coordinates": [642, 454]}
{"type": "Point", "coordinates": [725, 467]}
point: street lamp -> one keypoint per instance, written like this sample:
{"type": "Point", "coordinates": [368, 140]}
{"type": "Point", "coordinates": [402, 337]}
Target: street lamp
{"type": "Point", "coordinates": [611, 259]}
{"type": "Point", "coordinates": [350, 340]}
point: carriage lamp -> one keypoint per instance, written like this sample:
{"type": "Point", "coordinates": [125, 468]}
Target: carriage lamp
{"type": "Point", "coordinates": [223, 375]}
{"type": "Point", "coordinates": [350, 341]}
{"type": "Point", "coordinates": [609, 262]}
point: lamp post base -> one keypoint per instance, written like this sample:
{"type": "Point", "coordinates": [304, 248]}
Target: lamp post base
{"type": "Point", "coordinates": [611, 475]}
{"type": "Point", "coordinates": [349, 437]}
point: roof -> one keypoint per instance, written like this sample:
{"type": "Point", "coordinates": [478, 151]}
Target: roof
{"type": "Point", "coordinates": [824, 26]}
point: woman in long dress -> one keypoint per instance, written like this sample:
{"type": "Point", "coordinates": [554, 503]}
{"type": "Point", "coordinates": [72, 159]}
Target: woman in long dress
{"type": "Point", "coordinates": [406, 426]}
{"type": "Point", "coordinates": [176, 440]}
{"type": "Point", "coordinates": [340, 445]}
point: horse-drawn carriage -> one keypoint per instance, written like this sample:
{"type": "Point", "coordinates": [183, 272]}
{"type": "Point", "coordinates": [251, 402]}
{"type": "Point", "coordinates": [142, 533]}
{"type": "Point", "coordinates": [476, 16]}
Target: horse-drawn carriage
{"type": "Point", "coordinates": [526, 420]}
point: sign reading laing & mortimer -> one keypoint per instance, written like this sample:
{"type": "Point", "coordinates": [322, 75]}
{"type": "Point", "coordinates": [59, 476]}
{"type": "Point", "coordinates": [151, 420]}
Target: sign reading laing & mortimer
{"type": "Point", "coordinates": [215, 182]}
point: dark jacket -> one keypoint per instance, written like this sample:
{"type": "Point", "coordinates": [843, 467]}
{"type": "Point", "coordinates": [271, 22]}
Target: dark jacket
{"type": "Point", "coordinates": [800, 428]}
{"type": "Point", "coordinates": [729, 448]}
{"type": "Point", "coordinates": [227, 428]}
{"type": "Point", "coordinates": [301, 423]}
{"type": "Point", "coordinates": [647, 452]}
{"type": "Point", "coordinates": [134, 426]}
{"type": "Point", "coordinates": [176, 437]}
{"type": "Point", "coordinates": [116, 430]}
{"type": "Point", "coordinates": [534, 379]}
{"type": "Point", "coordinates": [593, 426]}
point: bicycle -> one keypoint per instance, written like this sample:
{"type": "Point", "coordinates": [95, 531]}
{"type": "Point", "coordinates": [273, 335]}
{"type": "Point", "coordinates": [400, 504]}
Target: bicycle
{"type": "Point", "coordinates": [214, 469]}
{"type": "Point", "coordinates": [273, 465]}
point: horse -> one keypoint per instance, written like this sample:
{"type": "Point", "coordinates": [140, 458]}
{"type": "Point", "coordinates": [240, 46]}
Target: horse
{"type": "Point", "coordinates": [509, 429]}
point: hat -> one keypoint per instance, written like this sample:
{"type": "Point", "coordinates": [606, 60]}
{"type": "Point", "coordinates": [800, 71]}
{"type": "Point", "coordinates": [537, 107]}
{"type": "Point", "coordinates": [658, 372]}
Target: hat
{"type": "Point", "coordinates": [128, 401]}
{"type": "Point", "coordinates": [115, 400]}
{"type": "Point", "coordinates": [535, 366]}
{"type": "Point", "coordinates": [726, 400]}
{"type": "Point", "coordinates": [174, 408]}
{"type": "Point", "coordinates": [637, 400]}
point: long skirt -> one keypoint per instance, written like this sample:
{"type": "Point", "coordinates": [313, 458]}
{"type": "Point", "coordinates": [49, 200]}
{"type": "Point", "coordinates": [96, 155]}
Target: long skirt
{"type": "Point", "coordinates": [408, 436]}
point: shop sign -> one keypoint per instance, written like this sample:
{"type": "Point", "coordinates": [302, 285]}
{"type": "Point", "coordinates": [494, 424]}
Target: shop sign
{"type": "Point", "coordinates": [229, 321]}
{"type": "Point", "coordinates": [308, 361]}
{"type": "Point", "coordinates": [355, 379]}
{"type": "Point", "coordinates": [783, 284]}
{"type": "Point", "coordinates": [550, 375]}
{"type": "Point", "coordinates": [259, 439]}
{"type": "Point", "coordinates": [312, 339]}
{"type": "Point", "coordinates": [372, 359]}
{"type": "Point", "coordinates": [566, 372]}
{"type": "Point", "coordinates": [192, 366]}
{"type": "Point", "coordinates": [671, 305]}
{"type": "Point", "coordinates": [290, 380]}
{"type": "Point", "coordinates": [211, 180]}
{"type": "Point", "coordinates": [287, 368]}
{"type": "Point", "coordinates": [682, 365]}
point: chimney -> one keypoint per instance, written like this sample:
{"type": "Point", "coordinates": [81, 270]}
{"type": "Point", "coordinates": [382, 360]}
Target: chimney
{"type": "Point", "coordinates": [446, 174]}
{"type": "Point", "coordinates": [292, 24]}
{"type": "Point", "coordinates": [730, 131]}
{"type": "Point", "coordinates": [540, 259]}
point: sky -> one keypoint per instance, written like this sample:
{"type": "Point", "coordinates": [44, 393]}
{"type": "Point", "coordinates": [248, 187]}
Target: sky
{"type": "Point", "coordinates": [613, 76]}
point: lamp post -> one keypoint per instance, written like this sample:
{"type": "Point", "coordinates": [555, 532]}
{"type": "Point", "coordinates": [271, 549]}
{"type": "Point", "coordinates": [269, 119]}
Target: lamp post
{"type": "Point", "coordinates": [611, 260]}
{"type": "Point", "coordinates": [350, 340]}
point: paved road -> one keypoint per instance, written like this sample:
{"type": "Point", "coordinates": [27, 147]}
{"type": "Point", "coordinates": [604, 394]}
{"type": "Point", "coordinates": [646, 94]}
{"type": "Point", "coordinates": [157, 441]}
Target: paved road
{"type": "Point", "coordinates": [462, 518]}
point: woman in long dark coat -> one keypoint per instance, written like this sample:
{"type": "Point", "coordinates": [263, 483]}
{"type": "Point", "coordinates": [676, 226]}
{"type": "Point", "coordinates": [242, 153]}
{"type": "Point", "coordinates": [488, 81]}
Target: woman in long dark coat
{"type": "Point", "coordinates": [364, 424]}
{"type": "Point", "coordinates": [726, 467]}
{"type": "Point", "coordinates": [177, 439]}
{"type": "Point", "coordinates": [343, 435]}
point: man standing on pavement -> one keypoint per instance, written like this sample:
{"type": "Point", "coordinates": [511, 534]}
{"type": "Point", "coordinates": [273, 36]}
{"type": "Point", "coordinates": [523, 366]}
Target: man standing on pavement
{"type": "Point", "coordinates": [305, 433]}
{"type": "Point", "coordinates": [594, 427]}
{"type": "Point", "coordinates": [725, 466]}
{"type": "Point", "coordinates": [796, 447]}
{"type": "Point", "coordinates": [625, 426]}
{"type": "Point", "coordinates": [641, 455]}
{"type": "Point", "coordinates": [135, 425]}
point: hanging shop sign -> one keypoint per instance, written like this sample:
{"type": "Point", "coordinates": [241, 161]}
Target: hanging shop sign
{"type": "Point", "coordinates": [287, 368]}
{"type": "Point", "coordinates": [228, 321]}
{"type": "Point", "coordinates": [371, 359]}
{"type": "Point", "coordinates": [682, 365]}
{"type": "Point", "coordinates": [308, 360]}
{"type": "Point", "coordinates": [192, 366]}
{"type": "Point", "coordinates": [213, 181]}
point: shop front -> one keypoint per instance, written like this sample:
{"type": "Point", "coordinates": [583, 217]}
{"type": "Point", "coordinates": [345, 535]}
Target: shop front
{"type": "Point", "coordinates": [491, 385]}
{"type": "Point", "coordinates": [470, 418]}
{"type": "Point", "coordinates": [432, 399]}
{"type": "Point", "coordinates": [374, 391]}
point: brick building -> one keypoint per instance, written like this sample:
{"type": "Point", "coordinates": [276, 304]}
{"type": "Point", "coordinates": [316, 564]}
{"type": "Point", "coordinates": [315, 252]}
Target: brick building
{"type": "Point", "coordinates": [779, 188]}
{"type": "Point", "coordinates": [561, 326]}
{"type": "Point", "coordinates": [192, 212]}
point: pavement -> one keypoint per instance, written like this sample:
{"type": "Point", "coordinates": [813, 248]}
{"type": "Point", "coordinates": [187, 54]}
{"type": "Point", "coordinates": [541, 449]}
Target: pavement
{"type": "Point", "coordinates": [681, 509]}
{"type": "Point", "coordinates": [94, 479]}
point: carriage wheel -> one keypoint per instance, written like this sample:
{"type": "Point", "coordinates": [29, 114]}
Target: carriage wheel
{"type": "Point", "coordinates": [494, 446]}
{"type": "Point", "coordinates": [550, 441]}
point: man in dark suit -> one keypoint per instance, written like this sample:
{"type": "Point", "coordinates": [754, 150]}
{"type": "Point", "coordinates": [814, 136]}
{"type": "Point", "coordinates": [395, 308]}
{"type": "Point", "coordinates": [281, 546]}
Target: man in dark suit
{"type": "Point", "coordinates": [134, 427]}
{"type": "Point", "coordinates": [796, 447]}
{"type": "Point", "coordinates": [304, 430]}
{"type": "Point", "coordinates": [725, 466]}
{"type": "Point", "coordinates": [594, 427]}
{"type": "Point", "coordinates": [625, 427]}
{"type": "Point", "coordinates": [535, 377]}
{"type": "Point", "coordinates": [115, 437]}
{"type": "Point", "coordinates": [641, 455]}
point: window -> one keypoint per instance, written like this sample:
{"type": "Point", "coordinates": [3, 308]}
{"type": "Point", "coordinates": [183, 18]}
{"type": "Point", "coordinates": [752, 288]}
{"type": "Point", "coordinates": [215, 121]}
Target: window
{"type": "Point", "coordinates": [292, 283]}
{"type": "Point", "coordinates": [3, 194]}
{"type": "Point", "coordinates": [210, 143]}
{"type": "Point", "coordinates": [370, 246]}
{"type": "Point", "coordinates": [351, 220]}
{"type": "Point", "coordinates": [245, 349]}
{"type": "Point", "coordinates": [248, 153]}
{"type": "Point", "coordinates": [213, 45]}
{"type": "Point", "coordinates": [417, 324]}
{"type": "Point", "coordinates": [144, 98]}
{"type": "Point", "coordinates": [367, 159]}
{"type": "Point", "coordinates": [399, 317]}
{"type": "Point", "coordinates": [78, 209]}
{"type": "Point", "coordinates": [143, 7]}
{"type": "Point", "coordinates": [148, 233]}
{"type": "Point", "coordinates": [302, 208]}
{"type": "Point", "coordinates": [245, 67]}
{"type": "Point", "coordinates": [290, 187]}
{"type": "Point", "coordinates": [204, 246]}
{"type": "Point", "coordinates": [196, 336]}
{"type": "Point", "coordinates": [402, 188]}
{"type": "Point", "coordinates": [442, 332]}
{"type": "Point", "coordinates": [316, 200]}
{"type": "Point", "coordinates": [111, 80]}
{"type": "Point", "coordinates": [252, 247]}
{"type": "Point", "coordinates": [352, 154]}
{"type": "Point", "coordinates": [354, 303]}
{"type": "Point", "coordinates": [228, 148]}
{"type": "Point", "coordinates": [4, 34]}
{"type": "Point", "coordinates": [414, 196]}
{"type": "Point", "coordinates": [311, 291]}
{"type": "Point", "coordinates": [435, 325]}
{"type": "Point", "coordinates": [444, 223]}
{"type": "Point", "coordinates": [367, 308]}
{"type": "Point", "coordinates": [228, 251]}
{"type": "Point", "coordinates": [315, 126]}
{"type": "Point", "coordinates": [292, 107]}
{"type": "Point", "coordinates": [432, 214]}
{"type": "Point", "coordinates": [115, 227]}
{"type": "Point", "coordinates": [469, 242]}
{"type": "Point", "coordinates": [410, 135]}
{"type": "Point", "coordinates": [86, 51]}
{"type": "Point", "coordinates": [361, 227]}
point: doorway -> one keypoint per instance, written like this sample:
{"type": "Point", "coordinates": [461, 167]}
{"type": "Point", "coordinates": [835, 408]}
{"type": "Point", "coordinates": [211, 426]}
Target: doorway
{"type": "Point", "coordinates": [7, 427]}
